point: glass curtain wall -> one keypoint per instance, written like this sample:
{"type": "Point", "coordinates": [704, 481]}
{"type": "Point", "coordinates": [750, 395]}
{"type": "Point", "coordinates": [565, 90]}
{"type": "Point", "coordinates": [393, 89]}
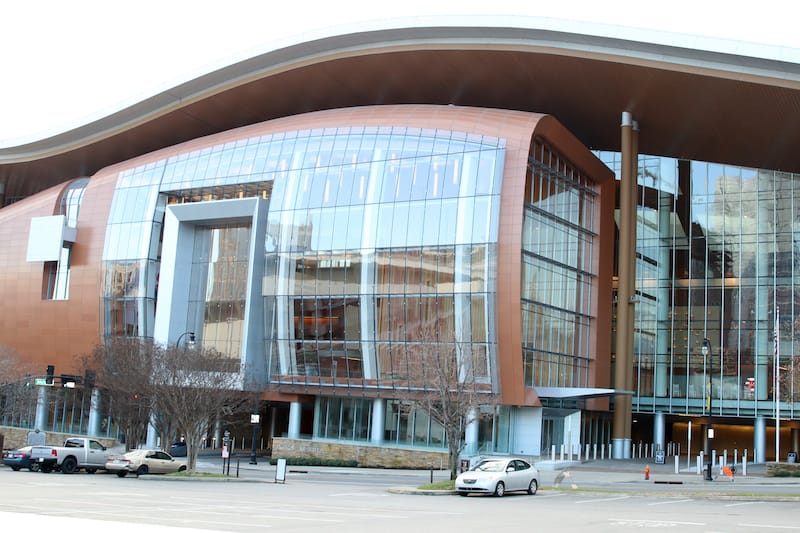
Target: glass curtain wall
{"type": "Point", "coordinates": [56, 273]}
{"type": "Point", "coordinates": [131, 253]}
{"type": "Point", "coordinates": [557, 272]}
{"type": "Point", "coordinates": [344, 418]}
{"type": "Point", "coordinates": [717, 256]}
{"type": "Point", "coordinates": [219, 286]}
{"type": "Point", "coordinates": [379, 250]}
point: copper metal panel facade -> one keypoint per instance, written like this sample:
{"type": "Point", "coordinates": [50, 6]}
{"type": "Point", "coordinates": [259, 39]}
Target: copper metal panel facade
{"type": "Point", "coordinates": [53, 332]}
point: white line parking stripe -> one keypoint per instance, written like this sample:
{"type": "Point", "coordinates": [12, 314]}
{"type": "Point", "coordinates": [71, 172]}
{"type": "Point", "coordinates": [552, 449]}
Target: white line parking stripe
{"type": "Point", "coordinates": [604, 499]}
{"type": "Point", "coordinates": [669, 502]}
{"type": "Point", "coordinates": [648, 523]}
{"type": "Point", "coordinates": [765, 526]}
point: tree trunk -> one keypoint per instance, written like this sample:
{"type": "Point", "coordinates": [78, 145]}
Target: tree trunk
{"type": "Point", "coordinates": [453, 459]}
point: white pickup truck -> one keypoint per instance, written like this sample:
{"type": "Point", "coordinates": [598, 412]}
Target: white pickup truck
{"type": "Point", "coordinates": [77, 453]}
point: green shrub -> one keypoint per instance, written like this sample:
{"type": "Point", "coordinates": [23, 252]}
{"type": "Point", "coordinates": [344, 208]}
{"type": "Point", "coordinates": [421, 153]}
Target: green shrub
{"type": "Point", "coordinates": [314, 461]}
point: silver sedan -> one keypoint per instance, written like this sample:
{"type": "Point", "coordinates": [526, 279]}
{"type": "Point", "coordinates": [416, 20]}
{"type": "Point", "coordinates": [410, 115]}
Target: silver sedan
{"type": "Point", "coordinates": [498, 476]}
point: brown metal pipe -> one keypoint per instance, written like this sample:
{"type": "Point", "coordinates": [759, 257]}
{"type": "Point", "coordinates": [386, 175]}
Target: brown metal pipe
{"type": "Point", "coordinates": [623, 368]}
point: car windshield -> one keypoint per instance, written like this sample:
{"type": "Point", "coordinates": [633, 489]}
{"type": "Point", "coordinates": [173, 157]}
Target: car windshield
{"type": "Point", "coordinates": [489, 466]}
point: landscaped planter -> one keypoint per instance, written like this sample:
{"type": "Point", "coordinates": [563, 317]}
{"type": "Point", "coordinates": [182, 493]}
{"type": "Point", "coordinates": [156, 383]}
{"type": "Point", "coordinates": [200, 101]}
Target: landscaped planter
{"type": "Point", "coordinates": [783, 470]}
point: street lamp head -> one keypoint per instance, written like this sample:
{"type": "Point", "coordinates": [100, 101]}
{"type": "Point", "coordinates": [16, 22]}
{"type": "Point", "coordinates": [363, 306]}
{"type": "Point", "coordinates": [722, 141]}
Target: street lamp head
{"type": "Point", "coordinates": [189, 344]}
{"type": "Point", "coordinates": [706, 347]}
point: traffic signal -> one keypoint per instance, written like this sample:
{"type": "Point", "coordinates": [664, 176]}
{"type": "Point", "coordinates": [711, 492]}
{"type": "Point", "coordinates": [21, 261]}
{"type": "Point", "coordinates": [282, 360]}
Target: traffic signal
{"type": "Point", "coordinates": [50, 371]}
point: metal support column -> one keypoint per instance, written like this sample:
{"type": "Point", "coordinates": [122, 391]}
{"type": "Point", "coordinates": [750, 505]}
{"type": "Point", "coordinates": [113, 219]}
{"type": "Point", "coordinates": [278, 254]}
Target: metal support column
{"type": "Point", "coordinates": [626, 290]}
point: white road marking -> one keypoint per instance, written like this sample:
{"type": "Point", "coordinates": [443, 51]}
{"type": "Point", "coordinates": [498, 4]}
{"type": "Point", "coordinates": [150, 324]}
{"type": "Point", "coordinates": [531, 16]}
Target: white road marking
{"type": "Point", "coordinates": [766, 526]}
{"type": "Point", "coordinates": [740, 503]}
{"type": "Point", "coordinates": [604, 499]}
{"type": "Point", "coordinates": [38, 522]}
{"type": "Point", "coordinates": [668, 502]}
{"type": "Point", "coordinates": [359, 494]}
{"type": "Point", "coordinates": [649, 523]}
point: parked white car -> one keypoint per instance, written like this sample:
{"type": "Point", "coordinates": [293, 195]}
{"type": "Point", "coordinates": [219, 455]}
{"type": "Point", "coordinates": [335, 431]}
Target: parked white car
{"type": "Point", "coordinates": [142, 462]}
{"type": "Point", "coordinates": [497, 476]}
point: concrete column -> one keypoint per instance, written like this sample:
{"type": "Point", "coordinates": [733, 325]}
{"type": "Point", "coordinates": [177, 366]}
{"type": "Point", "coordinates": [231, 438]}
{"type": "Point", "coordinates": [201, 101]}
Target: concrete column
{"type": "Point", "coordinates": [95, 417]}
{"type": "Point", "coordinates": [659, 431]}
{"type": "Point", "coordinates": [626, 290]}
{"type": "Point", "coordinates": [471, 434]}
{"type": "Point", "coordinates": [760, 440]}
{"type": "Point", "coordinates": [152, 435]}
{"type": "Point", "coordinates": [378, 420]}
{"type": "Point", "coordinates": [42, 411]}
{"type": "Point", "coordinates": [663, 350]}
{"type": "Point", "coordinates": [764, 346]}
{"type": "Point", "coordinates": [295, 410]}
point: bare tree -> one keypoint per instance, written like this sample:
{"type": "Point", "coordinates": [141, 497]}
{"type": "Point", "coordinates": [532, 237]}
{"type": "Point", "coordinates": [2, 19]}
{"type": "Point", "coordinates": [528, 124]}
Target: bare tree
{"type": "Point", "coordinates": [122, 367]}
{"type": "Point", "coordinates": [192, 387]}
{"type": "Point", "coordinates": [12, 368]}
{"type": "Point", "coordinates": [17, 392]}
{"type": "Point", "coordinates": [790, 381]}
{"type": "Point", "coordinates": [442, 383]}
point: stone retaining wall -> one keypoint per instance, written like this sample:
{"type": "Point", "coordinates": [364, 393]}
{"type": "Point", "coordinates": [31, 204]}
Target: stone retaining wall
{"type": "Point", "coordinates": [15, 438]}
{"type": "Point", "coordinates": [366, 455]}
{"type": "Point", "coordinates": [782, 470]}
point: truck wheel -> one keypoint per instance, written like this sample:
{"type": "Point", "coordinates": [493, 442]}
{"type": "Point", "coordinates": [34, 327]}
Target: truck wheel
{"type": "Point", "coordinates": [46, 468]}
{"type": "Point", "coordinates": [69, 465]}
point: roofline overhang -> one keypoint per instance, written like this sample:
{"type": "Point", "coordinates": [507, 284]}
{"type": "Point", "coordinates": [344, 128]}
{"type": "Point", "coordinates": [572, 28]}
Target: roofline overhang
{"type": "Point", "coordinates": [563, 393]}
{"type": "Point", "coordinates": [783, 71]}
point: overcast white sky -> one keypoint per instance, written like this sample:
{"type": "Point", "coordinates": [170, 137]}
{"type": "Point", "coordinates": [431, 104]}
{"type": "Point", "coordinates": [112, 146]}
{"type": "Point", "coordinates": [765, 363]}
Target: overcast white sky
{"type": "Point", "coordinates": [64, 63]}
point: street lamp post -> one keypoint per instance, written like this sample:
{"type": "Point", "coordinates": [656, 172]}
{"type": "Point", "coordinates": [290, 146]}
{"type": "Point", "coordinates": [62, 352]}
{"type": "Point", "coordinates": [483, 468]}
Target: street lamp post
{"type": "Point", "coordinates": [255, 419]}
{"type": "Point", "coordinates": [710, 428]}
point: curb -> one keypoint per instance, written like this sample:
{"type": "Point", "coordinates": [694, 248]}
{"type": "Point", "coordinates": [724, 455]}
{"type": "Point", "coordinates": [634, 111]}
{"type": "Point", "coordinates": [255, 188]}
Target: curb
{"type": "Point", "coordinates": [421, 492]}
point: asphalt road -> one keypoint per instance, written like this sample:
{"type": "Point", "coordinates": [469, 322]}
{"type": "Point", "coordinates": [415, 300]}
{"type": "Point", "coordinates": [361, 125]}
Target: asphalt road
{"type": "Point", "coordinates": [318, 502]}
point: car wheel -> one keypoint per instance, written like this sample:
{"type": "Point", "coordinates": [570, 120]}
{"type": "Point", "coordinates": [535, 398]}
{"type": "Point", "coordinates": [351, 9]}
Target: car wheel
{"type": "Point", "coordinates": [122, 473]}
{"type": "Point", "coordinates": [500, 489]}
{"type": "Point", "coordinates": [142, 470]}
{"type": "Point", "coordinates": [15, 468]}
{"type": "Point", "coordinates": [463, 493]}
{"type": "Point", "coordinates": [91, 470]}
{"type": "Point", "coordinates": [34, 467]}
{"type": "Point", "coordinates": [69, 465]}
{"type": "Point", "coordinates": [182, 468]}
{"type": "Point", "coordinates": [533, 487]}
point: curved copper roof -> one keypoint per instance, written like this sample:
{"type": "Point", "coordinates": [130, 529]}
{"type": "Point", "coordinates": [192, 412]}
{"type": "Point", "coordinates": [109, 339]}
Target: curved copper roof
{"type": "Point", "coordinates": [689, 103]}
